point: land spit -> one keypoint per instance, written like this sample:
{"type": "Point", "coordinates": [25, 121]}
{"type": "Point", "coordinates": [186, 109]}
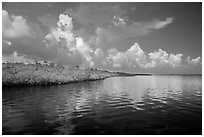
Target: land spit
{"type": "Point", "coordinates": [49, 74]}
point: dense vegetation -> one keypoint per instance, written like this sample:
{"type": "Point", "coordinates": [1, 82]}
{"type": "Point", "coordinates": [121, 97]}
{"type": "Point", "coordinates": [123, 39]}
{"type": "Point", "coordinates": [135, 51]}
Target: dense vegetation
{"type": "Point", "coordinates": [41, 74]}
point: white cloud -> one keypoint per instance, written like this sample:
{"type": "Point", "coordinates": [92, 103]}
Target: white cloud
{"type": "Point", "coordinates": [67, 42]}
{"type": "Point", "coordinates": [137, 28]}
{"type": "Point", "coordinates": [161, 58]}
{"type": "Point", "coordinates": [85, 51]}
{"type": "Point", "coordinates": [62, 36]}
{"type": "Point", "coordinates": [32, 46]}
{"type": "Point", "coordinates": [158, 57]}
{"type": "Point", "coordinates": [108, 50]}
{"type": "Point", "coordinates": [57, 35]}
{"type": "Point", "coordinates": [157, 24]}
{"type": "Point", "coordinates": [14, 26]}
{"type": "Point", "coordinates": [98, 52]}
{"type": "Point", "coordinates": [133, 57]}
{"type": "Point", "coordinates": [8, 43]}
{"type": "Point", "coordinates": [65, 21]}
{"type": "Point", "coordinates": [195, 61]}
{"type": "Point", "coordinates": [175, 60]}
{"type": "Point", "coordinates": [136, 57]}
{"type": "Point", "coordinates": [99, 58]}
{"type": "Point", "coordinates": [118, 21]}
{"type": "Point", "coordinates": [116, 58]}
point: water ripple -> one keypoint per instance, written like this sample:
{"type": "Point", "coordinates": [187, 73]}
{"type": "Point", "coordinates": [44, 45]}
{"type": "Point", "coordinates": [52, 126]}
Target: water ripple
{"type": "Point", "coordinates": [126, 105]}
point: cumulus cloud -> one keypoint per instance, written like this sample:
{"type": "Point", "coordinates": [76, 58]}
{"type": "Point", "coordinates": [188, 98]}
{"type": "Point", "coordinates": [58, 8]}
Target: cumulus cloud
{"type": "Point", "coordinates": [30, 45]}
{"type": "Point", "coordinates": [133, 57]}
{"type": "Point", "coordinates": [14, 26]}
{"type": "Point", "coordinates": [25, 37]}
{"type": "Point", "coordinates": [65, 40]}
{"type": "Point", "coordinates": [85, 51]}
{"type": "Point", "coordinates": [115, 58]}
{"type": "Point", "coordinates": [136, 57]}
{"type": "Point", "coordinates": [62, 36]}
{"type": "Point", "coordinates": [59, 45]}
{"type": "Point", "coordinates": [161, 58]}
{"type": "Point", "coordinates": [106, 47]}
{"type": "Point", "coordinates": [195, 61]}
{"type": "Point", "coordinates": [112, 28]}
{"type": "Point", "coordinates": [65, 22]}
{"type": "Point", "coordinates": [175, 60]}
{"type": "Point", "coordinates": [99, 58]}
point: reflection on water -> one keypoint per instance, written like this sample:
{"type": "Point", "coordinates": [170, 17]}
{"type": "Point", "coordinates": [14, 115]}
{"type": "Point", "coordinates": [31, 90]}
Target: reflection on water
{"type": "Point", "coordinates": [120, 105]}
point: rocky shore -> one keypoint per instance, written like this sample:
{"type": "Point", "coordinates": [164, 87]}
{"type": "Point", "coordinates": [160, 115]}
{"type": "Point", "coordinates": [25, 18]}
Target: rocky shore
{"type": "Point", "coordinates": [45, 74]}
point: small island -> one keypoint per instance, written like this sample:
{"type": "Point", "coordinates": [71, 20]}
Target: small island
{"type": "Point", "coordinates": [44, 73]}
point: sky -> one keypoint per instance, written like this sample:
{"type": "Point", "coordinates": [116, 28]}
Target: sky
{"type": "Point", "coordinates": [161, 38]}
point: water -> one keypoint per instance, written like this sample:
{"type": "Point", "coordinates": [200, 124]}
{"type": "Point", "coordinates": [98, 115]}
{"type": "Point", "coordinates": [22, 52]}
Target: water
{"type": "Point", "coordinates": [120, 105]}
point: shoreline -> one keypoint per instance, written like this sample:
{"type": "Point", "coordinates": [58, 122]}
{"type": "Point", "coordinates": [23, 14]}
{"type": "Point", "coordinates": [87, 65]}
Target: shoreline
{"type": "Point", "coordinates": [19, 74]}
{"type": "Point", "coordinates": [50, 84]}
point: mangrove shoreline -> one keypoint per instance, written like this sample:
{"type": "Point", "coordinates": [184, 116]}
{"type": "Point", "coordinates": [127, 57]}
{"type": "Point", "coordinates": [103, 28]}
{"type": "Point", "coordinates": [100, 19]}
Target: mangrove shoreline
{"type": "Point", "coordinates": [14, 74]}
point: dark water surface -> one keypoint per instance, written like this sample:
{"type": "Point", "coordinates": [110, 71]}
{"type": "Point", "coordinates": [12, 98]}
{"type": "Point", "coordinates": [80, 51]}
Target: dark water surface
{"type": "Point", "coordinates": [120, 105]}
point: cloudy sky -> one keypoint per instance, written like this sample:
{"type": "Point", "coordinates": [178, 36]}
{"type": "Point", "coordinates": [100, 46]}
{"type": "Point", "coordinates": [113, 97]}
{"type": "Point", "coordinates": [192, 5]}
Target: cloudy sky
{"type": "Point", "coordinates": [133, 37]}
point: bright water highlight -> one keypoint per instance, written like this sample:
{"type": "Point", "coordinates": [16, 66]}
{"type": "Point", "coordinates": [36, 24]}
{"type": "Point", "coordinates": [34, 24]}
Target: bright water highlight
{"type": "Point", "coordinates": [119, 105]}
